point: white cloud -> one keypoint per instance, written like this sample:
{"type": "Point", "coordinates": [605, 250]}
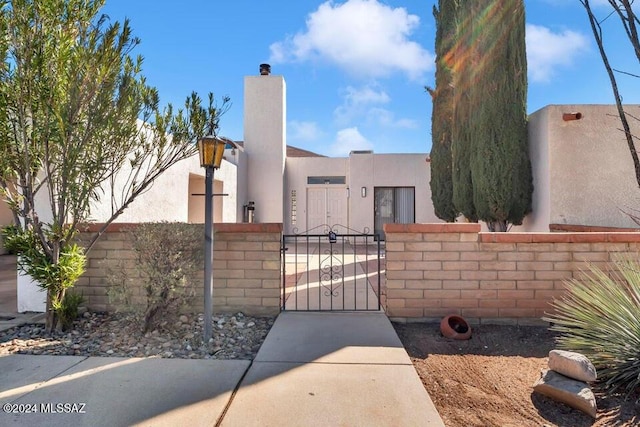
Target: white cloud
{"type": "Point", "coordinates": [356, 103]}
{"type": "Point", "coordinates": [547, 51]}
{"type": "Point", "coordinates": [365, 37]}
{"type": "Point", "coordinates": [386, 118]}
{"type": "Point", "coordinates": [304, 131]}
{"type": "Point", "coordinates": [347, 140]}
{"type": "Point", "coordinates": [366, 95]}
{"type": "Point", "coordinates": [365, 103]}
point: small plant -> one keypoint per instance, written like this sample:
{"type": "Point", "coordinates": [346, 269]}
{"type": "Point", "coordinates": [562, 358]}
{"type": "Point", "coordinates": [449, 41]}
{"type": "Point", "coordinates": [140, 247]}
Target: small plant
{"type": "Point", "coordinates": [168, 255]}
{"type": "Point", "coordinates": [56, 277]}
{"type": "Point", "coordinates": [600, 318]}
{"type": "Point", "coordinates": [68, 309]}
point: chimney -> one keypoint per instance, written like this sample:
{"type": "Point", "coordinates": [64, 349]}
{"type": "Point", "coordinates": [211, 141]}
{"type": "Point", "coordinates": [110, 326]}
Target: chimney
{"type": "Point", "coordinates": [265, 69]}
{"type": "Point", "coordinates": [265, 143]}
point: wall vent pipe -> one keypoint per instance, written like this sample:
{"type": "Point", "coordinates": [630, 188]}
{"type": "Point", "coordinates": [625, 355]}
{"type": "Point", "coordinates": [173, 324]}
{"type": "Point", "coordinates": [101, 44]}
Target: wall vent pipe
{"type": "Point", "coordinates": [265, 69]}
{"type": "Point", "coordinates": [567, 117]}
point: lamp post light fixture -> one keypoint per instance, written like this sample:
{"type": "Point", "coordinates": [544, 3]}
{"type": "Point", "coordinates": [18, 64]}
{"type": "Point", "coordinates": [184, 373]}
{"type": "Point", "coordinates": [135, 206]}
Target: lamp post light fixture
{"type": "Point", "coordinates": [211, 149]}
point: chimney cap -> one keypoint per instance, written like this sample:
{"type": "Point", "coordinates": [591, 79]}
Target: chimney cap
{"type": "Point", "coordinates": [265, 69]}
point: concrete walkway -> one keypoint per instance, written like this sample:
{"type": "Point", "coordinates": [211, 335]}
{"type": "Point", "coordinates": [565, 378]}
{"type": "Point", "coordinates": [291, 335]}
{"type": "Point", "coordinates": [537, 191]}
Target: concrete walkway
{"type": "Point", "coordinates": [314, 369]}
{"type": "Point", "coordinates": [332, 369]}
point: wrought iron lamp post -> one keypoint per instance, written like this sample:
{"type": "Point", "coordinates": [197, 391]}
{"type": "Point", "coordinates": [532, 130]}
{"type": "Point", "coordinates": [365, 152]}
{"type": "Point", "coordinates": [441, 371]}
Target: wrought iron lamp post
{"type": "Point", "coordinates": [211, 150]}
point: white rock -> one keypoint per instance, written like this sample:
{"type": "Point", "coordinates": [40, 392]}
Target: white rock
{"type": "Point", "coordinates": [576, 394]}
{"type": "Point", "coordinates": [572, 365]}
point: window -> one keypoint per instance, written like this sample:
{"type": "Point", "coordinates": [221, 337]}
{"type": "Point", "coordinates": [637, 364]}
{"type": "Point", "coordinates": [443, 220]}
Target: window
{"type": "Point", "coordinates": [393, 205]}
{"type": "Point", "coordinates": [327, 180]}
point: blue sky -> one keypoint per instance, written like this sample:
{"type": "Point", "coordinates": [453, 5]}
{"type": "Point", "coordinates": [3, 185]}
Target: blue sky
{"type": "Point", "coordinates": [355, 69]}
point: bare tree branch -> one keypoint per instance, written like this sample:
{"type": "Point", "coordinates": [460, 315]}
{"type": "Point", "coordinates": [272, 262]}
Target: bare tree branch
{"type": "Point", "coordinates": [597, 32]}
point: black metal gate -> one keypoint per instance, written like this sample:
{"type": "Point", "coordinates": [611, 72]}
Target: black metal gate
{"type": "Point", "coordinates": [331, 271]}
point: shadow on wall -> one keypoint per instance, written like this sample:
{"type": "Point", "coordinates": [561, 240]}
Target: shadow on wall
{"type": "Point", "coordinates": [196, 199]}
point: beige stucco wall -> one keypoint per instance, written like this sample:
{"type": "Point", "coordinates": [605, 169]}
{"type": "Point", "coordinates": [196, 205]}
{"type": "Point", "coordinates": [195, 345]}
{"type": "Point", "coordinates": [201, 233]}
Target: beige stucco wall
{"type": "Point", "coordinates": [538, 219]}
{"type": "Point", "coordinates": [170, 196]}
{"type": "Point", "coordinates": [360, 170]}
{"type": "Point", "coordinates": [197, 200]}
{"type": "Point", "coordinates": [242, 191]}
{"type": "Point", "coordinates": [591, 175]}
{"type": "Point", "coordinates": [388, 170]}
{"type": "Point", "coordinates": [265, 144]}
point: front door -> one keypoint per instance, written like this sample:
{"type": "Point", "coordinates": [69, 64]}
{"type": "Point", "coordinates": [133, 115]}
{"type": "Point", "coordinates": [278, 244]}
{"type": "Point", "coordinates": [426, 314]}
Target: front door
{"type": "Point", "coordinates": [326, 206]}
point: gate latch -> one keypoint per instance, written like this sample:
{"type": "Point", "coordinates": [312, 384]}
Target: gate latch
{"type": "Point", "coordinates": [333, 237]}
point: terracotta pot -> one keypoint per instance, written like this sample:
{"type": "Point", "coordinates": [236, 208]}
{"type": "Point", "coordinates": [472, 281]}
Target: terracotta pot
{"type": "Point", "coordinates": [455, 327]}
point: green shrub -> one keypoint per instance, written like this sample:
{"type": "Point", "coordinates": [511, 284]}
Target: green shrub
{"type": "Point", "coordinates": [600, 318]}
{"type": "Point", "coordinates": [68, 309]}
{"type": "Point", "coordinates": [56, 277]}
{"type": "Point", "coordinates": [168, 255]}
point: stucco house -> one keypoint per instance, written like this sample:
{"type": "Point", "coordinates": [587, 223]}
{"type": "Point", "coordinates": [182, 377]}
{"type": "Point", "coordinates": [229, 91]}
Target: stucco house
{"type": "Point", "coordinates": [582, 168]}
{"type": "Point", "coordinates": [583, 175]}
{"type": "Point", "coordinates": [289, 185]}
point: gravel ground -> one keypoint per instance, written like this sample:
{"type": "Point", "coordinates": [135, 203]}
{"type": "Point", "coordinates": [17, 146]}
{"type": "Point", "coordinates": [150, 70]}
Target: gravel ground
{"type": "Point", "coordinates": [101, 334]}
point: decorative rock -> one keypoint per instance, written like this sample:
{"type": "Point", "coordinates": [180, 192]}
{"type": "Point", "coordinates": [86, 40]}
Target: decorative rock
{"type": "Point", "coordinates": [183, 319]}
{"type": "Point", "coordinates": [102, 334]}
{"type": "Point", "coordinates": [576, 394]}
{"type": "Point", "coordinates": [572, 365]}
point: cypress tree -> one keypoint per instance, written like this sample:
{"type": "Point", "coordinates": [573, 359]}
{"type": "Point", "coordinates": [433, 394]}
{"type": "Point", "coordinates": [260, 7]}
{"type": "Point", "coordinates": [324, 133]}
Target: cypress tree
{"type": "Point", "coordinates": [500, 166]}
{"type": "Point", "coordinates": [442, 115]}
{"type": "Point", "coordinates": [464, 73]}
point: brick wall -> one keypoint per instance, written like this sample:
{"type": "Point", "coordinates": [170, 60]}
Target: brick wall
{"type": "Point", "coordinates": [246, 268]}
{"type": "Point", "coordinates": [438, 269]}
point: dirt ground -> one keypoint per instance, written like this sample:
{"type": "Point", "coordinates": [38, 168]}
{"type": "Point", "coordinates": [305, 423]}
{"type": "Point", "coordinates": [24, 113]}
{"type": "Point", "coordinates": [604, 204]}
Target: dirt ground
{"type": "Point", "coordinates": [487, 380]}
